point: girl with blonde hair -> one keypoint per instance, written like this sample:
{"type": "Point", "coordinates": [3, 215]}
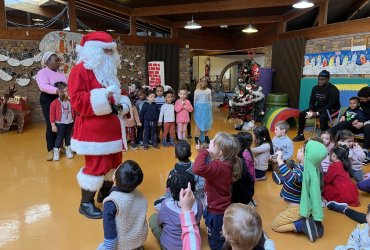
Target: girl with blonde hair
{"type": "Point", "coordinates": [220, 166]}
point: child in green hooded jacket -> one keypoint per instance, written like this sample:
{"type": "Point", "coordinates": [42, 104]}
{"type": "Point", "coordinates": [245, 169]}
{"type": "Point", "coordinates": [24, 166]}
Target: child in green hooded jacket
{"type": "Point", "coordinates": [301, 190]}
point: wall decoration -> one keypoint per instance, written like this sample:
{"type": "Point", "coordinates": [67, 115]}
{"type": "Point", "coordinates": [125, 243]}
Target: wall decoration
{"type": "Point", "coordinates": [64, 45]}
{"type": "Point", "coordinates": [156, 73]}
{"type": "Point", "coordinates": [341, 62]}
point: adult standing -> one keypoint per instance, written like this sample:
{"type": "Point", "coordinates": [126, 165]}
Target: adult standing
{"type": "Point", "coordinates": [324, 96]}
{"type": "Point", "coordinates": [358, 126]}
{"type": "Point", "coordinates": [95, 95]}
{"type": "Point", "coordinates": [46, 78]}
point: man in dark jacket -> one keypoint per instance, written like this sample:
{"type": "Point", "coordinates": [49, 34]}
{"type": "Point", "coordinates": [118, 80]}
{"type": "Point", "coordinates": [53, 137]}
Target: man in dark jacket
{"type": "Point", "coordinates": [324, 96]}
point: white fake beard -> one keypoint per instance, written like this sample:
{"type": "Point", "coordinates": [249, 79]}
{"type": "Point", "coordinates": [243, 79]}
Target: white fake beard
{"type": "Point", "coordinates": [104, 65]}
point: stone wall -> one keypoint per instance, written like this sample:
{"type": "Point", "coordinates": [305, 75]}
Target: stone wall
{"type": "Point", "coordinates": [134, 54]}
{"type": "Point", "coordinates": [184, 67]}
{"type": "Point", "coordinates": [268, 56]}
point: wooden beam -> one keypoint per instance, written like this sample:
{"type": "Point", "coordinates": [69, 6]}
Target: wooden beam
{"type": "Point", "coordinates": [133, 26]}
{"type": "Point", "coordinates": [358, 6]}
{"type": "Point", "coordinates": [323, 14]}
{"type": "Point", "coordinates": [282, 25]}
{"type": "Point", "coordinates": [109, 5]}
{"type": "Point", "coordinates": [294, 13]}
{"type": "Point", "coordinates": [157, 20]}
{"type": "Point", "coordinates": [210, 7]}
{"type": "Point", "coordinates": [2, 15]}
{"type": "Point", "coordinates": [72, 15]}
{"type": "Point", "coordinates": [232, 21]}
{"type": "Point", "coordinates": [334, 29]}
{"type": "Point", "coordinates": [43, 11]}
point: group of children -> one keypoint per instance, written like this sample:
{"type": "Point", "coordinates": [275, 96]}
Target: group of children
{"type": "Point", "coordinates": [157, 110]}
{"type": "Point", "coordinates": [221, 184]}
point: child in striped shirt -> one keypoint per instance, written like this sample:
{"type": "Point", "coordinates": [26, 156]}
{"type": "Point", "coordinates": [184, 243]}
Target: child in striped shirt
{"type": "Point", "coordinates": [290, 219]}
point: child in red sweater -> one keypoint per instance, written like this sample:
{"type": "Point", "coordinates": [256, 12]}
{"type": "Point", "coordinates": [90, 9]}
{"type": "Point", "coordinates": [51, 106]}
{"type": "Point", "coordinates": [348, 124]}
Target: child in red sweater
{"type": "Point", "coordinates": [61, 119]}
{"type": "Point", "coordinates": [338, 184]}
{"type": "Point", "coordinates": [220, 166]}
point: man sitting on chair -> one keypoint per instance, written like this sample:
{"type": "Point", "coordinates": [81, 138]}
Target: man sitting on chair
{"type": "Point", "coordinates": [324, 96]}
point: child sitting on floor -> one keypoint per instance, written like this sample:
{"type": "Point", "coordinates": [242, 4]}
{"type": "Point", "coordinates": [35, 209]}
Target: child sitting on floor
{"type": "Point", "coordinates": [281, 142]}
{"type": "Point", "coordinates": [243, 189]}
{"type": "Point", "coordinates": [183, 153]}
{"type": "Point", "coordinates": [243, 229]}
{"type": "Point", "coordinates": [262, 151]}
{"type": "Point", "coordinates": [291, 219]}
{"type": "Point", "coordinates": [327, 139]}
{"type": "Point", "coordinates": [247, 154]}
{"type": "Point", "coordinates": [338, 184]}
{"type": "Point", "coordinates": [124, 210]}
{"type": "Point", "coordinates": [356, 154]}
{"type": "Point", "coordinates": [360, 236]}
{"type": "Point", "coordinates": [166, 224]}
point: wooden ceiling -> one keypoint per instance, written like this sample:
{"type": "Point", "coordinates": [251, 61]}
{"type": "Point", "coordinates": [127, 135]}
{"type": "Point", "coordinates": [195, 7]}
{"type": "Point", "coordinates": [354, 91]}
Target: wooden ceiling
{"type": "Point", "coordinates": [271, 17]}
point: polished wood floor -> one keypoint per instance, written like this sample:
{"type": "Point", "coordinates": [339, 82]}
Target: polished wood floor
{"type": "Point", "coordinates": [39, 199]}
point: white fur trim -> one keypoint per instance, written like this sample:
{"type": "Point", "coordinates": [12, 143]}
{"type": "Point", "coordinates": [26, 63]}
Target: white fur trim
{"type": "Point", "coordinates": [99, 102]}
{"type": "Point", "coordinates": [126, 103]}
{"type": "Point", "coordinates": [122, 121]}
{"type": "Point", "coordinates": [99, 44]}
{"type": "Point", "coordinates": [96, 148]}
{"type": "Point", "coordinates": [109, 176]}
{"type": "Point", "coordinates": [89, 182]}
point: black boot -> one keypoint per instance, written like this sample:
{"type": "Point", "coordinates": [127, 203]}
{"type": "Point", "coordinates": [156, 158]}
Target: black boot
{"type": "Point", "coordinates": [104, 191]}
{"type": "Point", "coordinates": [196, 139]}
{"type": "Point", "coordinates": [87, 206]}
{"type": "Point", "coordinates": [206, 139]}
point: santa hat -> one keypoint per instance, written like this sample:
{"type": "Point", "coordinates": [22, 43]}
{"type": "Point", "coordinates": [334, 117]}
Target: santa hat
{"type": "Point", "coordinates": [97, 39]}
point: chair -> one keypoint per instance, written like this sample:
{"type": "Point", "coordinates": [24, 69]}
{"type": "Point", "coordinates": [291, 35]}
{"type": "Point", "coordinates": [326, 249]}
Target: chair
{"type": "Point", "coordinates": [314, 123]}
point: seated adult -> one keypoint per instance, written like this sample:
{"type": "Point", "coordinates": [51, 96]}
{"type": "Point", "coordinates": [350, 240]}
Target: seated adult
{"type": "Point", "coordinates": [324, 96]}
{"type": "Point", "coordinates": [358, 126]}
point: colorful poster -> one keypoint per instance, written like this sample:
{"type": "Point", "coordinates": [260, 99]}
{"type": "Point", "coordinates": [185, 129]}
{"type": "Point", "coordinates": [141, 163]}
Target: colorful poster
{"type": "Point", "coordinates": [156, 73]}
{"type": "Point", "coordinates": [341, 62]}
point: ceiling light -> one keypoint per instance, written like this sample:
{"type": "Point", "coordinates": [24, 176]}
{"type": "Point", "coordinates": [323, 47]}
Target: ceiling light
{"type": "Point", "coordinates": [110, 30]}
{"type": "Point", "coordinates": [224, 26]}
{"type": "Point", "coordinates": [250, 29]}
{"type": "Point", "coordinates": [37, 20]}
{"type": "Point", "coordinates": [67, 29]}
{"type": "Point", "coordinates": [303, 5]}
{"type": "Point", "coordinates": [39, 24]}
{"type": "Point", "coordinates": [191, 25]}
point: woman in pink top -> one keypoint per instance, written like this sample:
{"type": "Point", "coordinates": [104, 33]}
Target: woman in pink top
{"type": "Point", "coordinates": [46, 78]}
{"type": "Point", "coordinates": [183, 108]}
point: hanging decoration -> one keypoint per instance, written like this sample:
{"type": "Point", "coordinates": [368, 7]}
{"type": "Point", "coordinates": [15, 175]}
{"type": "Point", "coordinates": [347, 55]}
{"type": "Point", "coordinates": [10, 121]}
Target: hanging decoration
{"type": "Point", "coordinates": [23, 79]}
{"type": "Point", "coordinates": [25, 58]}
{"type": "Point", "coordinates": [248, 96]}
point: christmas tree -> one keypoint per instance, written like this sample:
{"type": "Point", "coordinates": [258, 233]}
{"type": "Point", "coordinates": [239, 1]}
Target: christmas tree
{"type": "Point", "coordinates": [248, 95]}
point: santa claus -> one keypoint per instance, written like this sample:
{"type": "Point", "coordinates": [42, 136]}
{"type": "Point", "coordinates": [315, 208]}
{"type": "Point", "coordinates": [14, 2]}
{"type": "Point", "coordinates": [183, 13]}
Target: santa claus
{"type": "Point", "coordinates": [95, 95]}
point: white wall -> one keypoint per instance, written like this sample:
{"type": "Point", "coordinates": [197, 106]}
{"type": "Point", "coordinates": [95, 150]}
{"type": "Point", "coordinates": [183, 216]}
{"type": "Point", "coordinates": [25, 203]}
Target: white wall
{"type": "Point", "coordinates": [218, 63]}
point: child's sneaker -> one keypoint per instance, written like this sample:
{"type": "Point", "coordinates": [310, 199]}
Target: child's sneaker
{"type": "Point", "coordinates": [336, 206]}
{"type": "Point", "coordinates": [277, 178]}
{"type": "Point", "coordinates": [69, 152]}
{"type": "Point", "coordinates": [309, 228]}
{"type": "Point", "coordinates": [141, 144]}
{"type": "Point", "coordinates": [56, 154]}
{"type": "Point", "coordinates": [146, 147]}
{"type": "Point", "coordinates": [134, 146]}
{"type": "Point", "coordinates": [261, 178]}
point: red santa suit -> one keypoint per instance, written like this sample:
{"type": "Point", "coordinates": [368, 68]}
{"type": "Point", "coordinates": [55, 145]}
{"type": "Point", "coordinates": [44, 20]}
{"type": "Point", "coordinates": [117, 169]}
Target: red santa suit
{"type": "Point", "coordinates": [97, 132]}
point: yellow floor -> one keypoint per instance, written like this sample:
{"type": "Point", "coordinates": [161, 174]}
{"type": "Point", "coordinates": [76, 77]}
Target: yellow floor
{"type": "Point", "coordinates": [39, 199]}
